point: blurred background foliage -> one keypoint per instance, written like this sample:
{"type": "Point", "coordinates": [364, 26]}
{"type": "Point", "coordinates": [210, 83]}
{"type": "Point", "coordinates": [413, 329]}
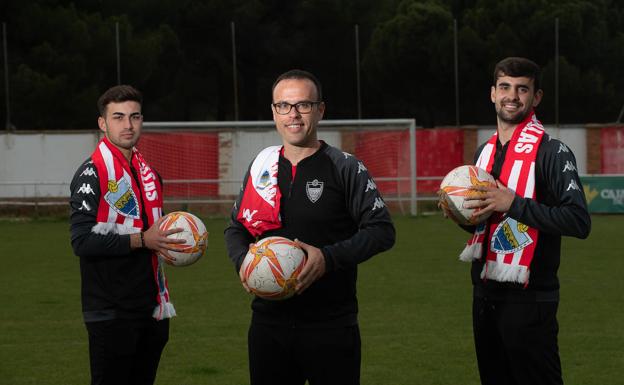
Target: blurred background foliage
{"type": "Point", "coordinates": [62, 55]}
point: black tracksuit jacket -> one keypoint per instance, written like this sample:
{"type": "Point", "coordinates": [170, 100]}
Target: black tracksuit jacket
{"type": "Point", "coordinates": [116, 282]}
{"type": "Point", "coordinates": [349, 223]}
{"type": "Point", "coordinates": [559, 210]}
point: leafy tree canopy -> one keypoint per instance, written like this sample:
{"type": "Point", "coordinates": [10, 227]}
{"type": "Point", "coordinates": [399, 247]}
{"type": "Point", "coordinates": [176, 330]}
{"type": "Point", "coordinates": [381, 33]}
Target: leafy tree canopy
{"type": "Point", "coordinates": [62, 55]}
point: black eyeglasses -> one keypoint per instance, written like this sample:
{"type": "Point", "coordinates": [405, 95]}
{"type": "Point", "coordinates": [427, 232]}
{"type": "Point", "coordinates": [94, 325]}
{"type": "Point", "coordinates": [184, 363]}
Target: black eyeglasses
{"type": "Point", "coordinates": [284, 108]}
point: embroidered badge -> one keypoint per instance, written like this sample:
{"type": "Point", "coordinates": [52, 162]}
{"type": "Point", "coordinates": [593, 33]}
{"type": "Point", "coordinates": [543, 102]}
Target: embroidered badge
{"type": "Point", "coordinates": [314, 190]}
{"type": "Point", "coordinates": [264, 181]}
{"type": "Point", "coordinates": [265, 184]}
{"type": "Point", "coordinates": [121, 198]}
{"type": "Point", "coordinates": [510, 236]}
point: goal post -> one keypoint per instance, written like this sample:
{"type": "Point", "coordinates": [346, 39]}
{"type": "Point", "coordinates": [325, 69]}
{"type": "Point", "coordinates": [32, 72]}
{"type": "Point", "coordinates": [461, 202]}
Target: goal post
{"type": "Point", "coordinates": [205, 162]}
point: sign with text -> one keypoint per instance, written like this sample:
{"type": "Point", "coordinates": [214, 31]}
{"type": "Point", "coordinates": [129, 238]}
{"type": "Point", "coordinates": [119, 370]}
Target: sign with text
{"type": "Point", "coordinates": [605, 194]}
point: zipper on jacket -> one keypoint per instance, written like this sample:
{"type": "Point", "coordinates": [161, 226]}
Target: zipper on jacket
{"type": "Point", "coordinates": [292, 179]}
{"type": "Point", "coordinates": [290, 186]}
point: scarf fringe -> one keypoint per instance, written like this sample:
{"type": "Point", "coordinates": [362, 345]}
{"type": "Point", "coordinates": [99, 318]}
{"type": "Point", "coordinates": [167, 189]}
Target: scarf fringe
{"type": "Point", "coordinates": [474, 246]}
{"type": "Point", "coordinates": [471, 252]}
{"type": "Point", "coordinates": [164, 310]}
{"type": "Point", "coordinates": [503, 272]}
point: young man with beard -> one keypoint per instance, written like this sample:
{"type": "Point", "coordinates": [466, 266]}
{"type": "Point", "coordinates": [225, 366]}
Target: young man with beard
{"type": "Point", "coordinates": [515, 254]}
{"type": "Point", "coordinates": [116, 207]}
{"type": "Point", "coordinates": [326, 201]}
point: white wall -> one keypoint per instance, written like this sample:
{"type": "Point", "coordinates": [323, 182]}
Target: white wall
{"type": "Point", "coordinates": [42, 158]}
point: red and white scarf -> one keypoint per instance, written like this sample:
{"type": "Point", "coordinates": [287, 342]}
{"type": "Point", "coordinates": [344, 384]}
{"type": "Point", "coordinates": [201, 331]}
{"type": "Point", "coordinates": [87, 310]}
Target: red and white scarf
{"type": "Point", "coordinates": [259, 209]}
{"type": "Point", "coordinates": [122, 203]}
{"type": "Point", "coordinates": [511, 244]}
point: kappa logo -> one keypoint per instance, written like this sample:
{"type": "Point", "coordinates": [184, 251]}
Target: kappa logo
{"type": "Point", "coordinates": [569, 166]}
{"type": "Point", "coordinates": [89, 171]}
{"type": "Point", "coordinates": [86, 189]}
{"type": "Point", "coordinates": [378, 204]}
{"type": "Point", "coordinates": [361, 167]}
{"type": "Point", "coordinates": [563, 148]}
{"type": "Point", "coordinates": [370, 186]}
{"type": "Point", "coordinates": [85, 206]}
{"type": "Point", "coordinates": [314, 190]}
{"type": "Point", "coordinates": [346, 155]}
{"type": "Point", "coordinates": [573, 186]}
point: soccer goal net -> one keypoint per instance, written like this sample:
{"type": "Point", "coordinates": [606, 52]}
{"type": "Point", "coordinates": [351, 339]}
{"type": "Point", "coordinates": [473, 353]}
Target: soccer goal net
{"type": "Point", "coordinates": [205, 162]}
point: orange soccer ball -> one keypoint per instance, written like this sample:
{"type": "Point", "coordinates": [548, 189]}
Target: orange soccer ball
{"type": "Point", "coordinates": [457, 186]}
{"type": "Point", "coordinates": [194, 233]}
{"type": "Point", "coordinates": [271, 267]}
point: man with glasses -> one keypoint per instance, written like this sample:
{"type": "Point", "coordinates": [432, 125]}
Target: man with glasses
{"type": "Point", "coordinates": [326, 201]}
{"type": "Point", "coordinates": [116, 208]}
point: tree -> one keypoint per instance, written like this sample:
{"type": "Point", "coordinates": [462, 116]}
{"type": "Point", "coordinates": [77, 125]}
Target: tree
{"type": "Point", "coordinates": [409, 63]}
{"type": "Point", "coordinates": [62, 55]}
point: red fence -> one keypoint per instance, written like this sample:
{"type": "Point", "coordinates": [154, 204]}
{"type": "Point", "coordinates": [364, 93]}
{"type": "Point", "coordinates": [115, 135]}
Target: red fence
{"type": "Point", "coordinates": [387, 155]}
{"type": "Point", "coordinates": [184, 156]}
{"type": "Point", "coordinates": [612, 149]}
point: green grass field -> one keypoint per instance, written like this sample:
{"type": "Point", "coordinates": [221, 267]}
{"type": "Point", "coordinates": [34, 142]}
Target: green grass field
{"type": "Point", "coordinates": [415, 303]}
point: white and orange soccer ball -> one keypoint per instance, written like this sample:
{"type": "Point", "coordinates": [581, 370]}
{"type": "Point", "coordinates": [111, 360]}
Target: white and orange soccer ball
{"type": "Point", "coordinates": [457, 185]}
{"type": "Point", "coordinates": [194, 233]}
{"type": "Point", "coordinates": [271, 267]}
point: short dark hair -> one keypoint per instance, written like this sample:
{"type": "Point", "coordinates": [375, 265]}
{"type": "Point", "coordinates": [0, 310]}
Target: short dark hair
{"type": "Point", "coordinates": [118, 94]}
{"type": "Point", "coordinates": [300, 74]}
{"type": "Point", "coordinates": [517, 67]}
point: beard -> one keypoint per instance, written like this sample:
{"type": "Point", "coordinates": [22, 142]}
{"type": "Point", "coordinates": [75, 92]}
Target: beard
{"type": "Point", "coordinates": [512, 118]}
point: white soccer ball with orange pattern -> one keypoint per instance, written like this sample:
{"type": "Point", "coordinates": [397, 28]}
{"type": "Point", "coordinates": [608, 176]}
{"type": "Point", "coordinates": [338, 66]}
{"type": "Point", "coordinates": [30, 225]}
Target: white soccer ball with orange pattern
{"type": "Point", "coordinates": [194, 233]}
{"type": "Point", "coordinates": [271, 267]}
{"type": "Point", "coordinates": [457, 186]}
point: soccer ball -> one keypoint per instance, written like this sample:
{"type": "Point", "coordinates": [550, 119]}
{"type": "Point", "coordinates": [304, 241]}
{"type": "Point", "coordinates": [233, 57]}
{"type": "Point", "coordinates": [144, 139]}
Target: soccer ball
{"type": "Point", "coordinates": [456, 186]}
{"type": "Point", "coordinates": [194, 234]}
{"type": "Point", "coordinates": [271, 267]}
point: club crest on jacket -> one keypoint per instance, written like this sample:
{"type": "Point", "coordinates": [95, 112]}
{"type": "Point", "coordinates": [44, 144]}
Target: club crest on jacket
{"type": "Point", "coordinates": [314, 190]}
